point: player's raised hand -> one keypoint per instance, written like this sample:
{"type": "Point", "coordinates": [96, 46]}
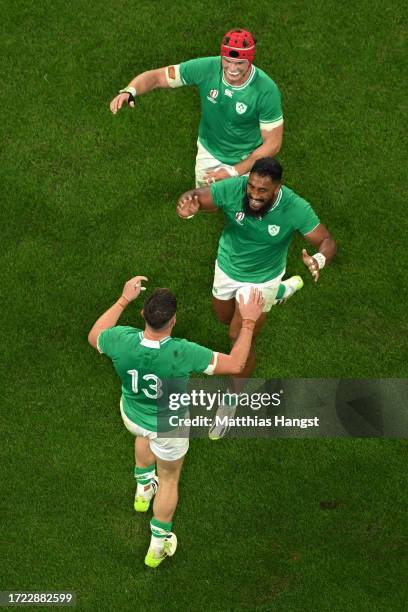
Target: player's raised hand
{"type": "Point", "coordinates": [188, 206]}
{"type": "Point", "coordinates": [211, 176]}
{"type": "Point", "coordinates": [133, 287]}
{"type": "Point", "coordinates": [311, 264]}
{"type": "Point", "coordinates": [119, 100]}
{"type": "Point", "coordinates": [253, 307]}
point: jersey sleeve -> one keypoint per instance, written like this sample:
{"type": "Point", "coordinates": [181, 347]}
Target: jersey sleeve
{"type": "Point", "coordinates": [232, 189]}
{"type": "Point", "coordinates": [270, 109]}
{"type": "Point", "coordinates": [108, 340]}
{"type": "Point", "coordinates": [194, 71]}
{"type": "Point", "coordinates": [199, 358]}
{"type": "Point", "coordinates": [306, 218]}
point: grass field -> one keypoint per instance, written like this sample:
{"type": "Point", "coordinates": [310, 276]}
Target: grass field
{"type": "Point", "coordinates": [88, 201]}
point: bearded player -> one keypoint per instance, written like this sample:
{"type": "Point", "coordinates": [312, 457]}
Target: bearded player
{"type": "Point", "coordinates": [241, 113]}
{"type": "Point", "coordinates": [261, 217]}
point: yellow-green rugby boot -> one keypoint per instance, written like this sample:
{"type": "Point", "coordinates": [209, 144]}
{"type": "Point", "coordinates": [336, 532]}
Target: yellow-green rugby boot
{"type": "Point", "coordinates": [153, 559]}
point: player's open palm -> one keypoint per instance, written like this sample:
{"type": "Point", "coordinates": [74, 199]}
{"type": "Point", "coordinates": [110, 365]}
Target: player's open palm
{"type": "Point", "coordinates": [252, 309]}
{"type": "Point", "coordinates": [119, 101]}
{"type": "Point", "coordinates": [188, 206]}
{"type": "Point", "coordinates": [311, 264]}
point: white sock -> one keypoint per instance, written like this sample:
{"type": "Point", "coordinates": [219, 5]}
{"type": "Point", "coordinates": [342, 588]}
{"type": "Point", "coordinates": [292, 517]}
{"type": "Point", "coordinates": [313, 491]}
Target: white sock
{"type": "Point", "coordinates": [156, 544]}
{"type": "Point", "coordinates": [143, 490]}
{"type": "Point", "coordinates": [289, 289]}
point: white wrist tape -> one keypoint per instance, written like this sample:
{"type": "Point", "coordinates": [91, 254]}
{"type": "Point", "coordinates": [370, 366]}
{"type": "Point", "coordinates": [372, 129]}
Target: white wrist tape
{"type": "Point", "coordinates": [320, 258]}
{"type": "Point", "coordinates": [231, 170]}
{"type": "Point", "coordinates": [129, 90]}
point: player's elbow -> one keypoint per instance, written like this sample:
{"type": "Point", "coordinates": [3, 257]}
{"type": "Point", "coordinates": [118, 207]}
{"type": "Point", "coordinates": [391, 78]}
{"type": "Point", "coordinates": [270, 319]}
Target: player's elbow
{"type": "Point", "coordinates": [92, 338]}
{"type": "Point", "coordinates": [228, 365]}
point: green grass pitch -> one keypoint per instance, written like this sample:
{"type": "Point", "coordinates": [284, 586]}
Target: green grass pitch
{"type": "Point", "coordinates": [88, 200]}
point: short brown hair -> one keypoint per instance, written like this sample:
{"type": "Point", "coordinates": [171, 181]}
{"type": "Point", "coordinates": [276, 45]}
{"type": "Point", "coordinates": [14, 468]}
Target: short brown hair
{"type": "Point", "coordinates": [159, 308]}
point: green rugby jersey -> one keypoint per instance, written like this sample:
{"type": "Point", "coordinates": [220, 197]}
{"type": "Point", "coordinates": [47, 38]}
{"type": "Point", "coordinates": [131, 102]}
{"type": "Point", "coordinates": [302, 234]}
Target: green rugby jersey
{"type": "Point", "coordinates": [147, 368]}
{"type": "Point", "coordinates": [253, 249]}
{"type": "Point", "coordinates": [230, 116]}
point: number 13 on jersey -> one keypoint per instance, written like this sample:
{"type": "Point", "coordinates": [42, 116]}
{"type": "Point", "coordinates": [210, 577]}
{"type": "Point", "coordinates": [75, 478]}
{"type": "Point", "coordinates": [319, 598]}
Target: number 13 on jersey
{"type": "Point", "coordinates": [154, 384]}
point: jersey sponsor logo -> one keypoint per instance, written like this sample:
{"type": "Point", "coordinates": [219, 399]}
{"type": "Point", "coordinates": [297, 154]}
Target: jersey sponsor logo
{"type": "Point", "coordinates": [240, 107]}
{"type": "Point", "coordinates": [213, 95]}
{"type": "Point", "coordinates": [273, 230]}
{"type": "Point", "coordinates": [239, 217]}
{"type": "Point", "coordinates": [228, 93]}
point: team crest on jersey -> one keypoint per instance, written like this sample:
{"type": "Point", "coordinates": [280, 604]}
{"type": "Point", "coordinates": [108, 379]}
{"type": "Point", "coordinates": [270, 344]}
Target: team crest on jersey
{"type": "Point", "coordinates": [240, 107]}
{"type": "Point", "coordinates": [273, 229]}
{"type": "Point", "coordinates": [239, 217]}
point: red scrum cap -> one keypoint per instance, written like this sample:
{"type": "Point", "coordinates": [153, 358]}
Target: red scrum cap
{"type": "Point", "coordinates": [238, 44]}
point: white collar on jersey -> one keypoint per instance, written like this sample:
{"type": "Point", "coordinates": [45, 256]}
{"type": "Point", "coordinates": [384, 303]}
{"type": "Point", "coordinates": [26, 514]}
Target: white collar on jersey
{"type": "Point", "coordinates": [238, 87]}
{"type": "Point", "coordinates": [276, 202]}
{"type": "Point", "coordinates": [156, 344]}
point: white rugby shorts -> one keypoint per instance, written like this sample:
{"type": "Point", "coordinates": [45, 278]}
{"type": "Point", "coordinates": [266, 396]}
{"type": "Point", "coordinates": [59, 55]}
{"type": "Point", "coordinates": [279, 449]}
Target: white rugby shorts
{"type": "Point", "coordinates": [205, 161]}
{"type": "Point", "coordinates": [226, 288]}
{"type": "Point", "coordinates": [168, 449]}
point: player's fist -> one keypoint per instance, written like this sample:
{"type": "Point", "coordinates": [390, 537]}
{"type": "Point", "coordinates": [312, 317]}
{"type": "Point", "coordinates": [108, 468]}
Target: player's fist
{"type": "Point", "coordinates": [188, 206]}
{"type": "Point", "coordinates": [311, 264]}
{"type": "Point", "coordinates": [133, 287]}
{"type": "Point", "coordinates": [119, 101]}
{"type": "Point", "coordinates": [251, 308]}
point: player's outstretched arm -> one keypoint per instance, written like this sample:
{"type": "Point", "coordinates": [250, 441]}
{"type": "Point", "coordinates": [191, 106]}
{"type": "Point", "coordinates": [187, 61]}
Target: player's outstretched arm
{"type": "Point", "coordinates": [130, 292]}
{"type": "Point", "coordinates": [141, 84]}
{"type": "Point", "coordinates": [250, 311]}
{"type": "Point", "coordinates": [325, 247]}
{"type": "Point", "coordinates": [191, 202]}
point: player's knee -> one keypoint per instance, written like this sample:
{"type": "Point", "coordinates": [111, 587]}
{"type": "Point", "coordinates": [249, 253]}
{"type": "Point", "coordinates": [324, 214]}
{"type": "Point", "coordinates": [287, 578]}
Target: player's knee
{"type": "Point", "coordinates": [224, 312]}
{"type": "Point", "coordinates": [223, 318]}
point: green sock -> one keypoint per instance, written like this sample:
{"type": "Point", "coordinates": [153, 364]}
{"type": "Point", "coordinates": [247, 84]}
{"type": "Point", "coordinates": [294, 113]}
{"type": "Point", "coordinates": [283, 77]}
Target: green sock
{"type": "Point", "coordinates": [144, 475]}
{"type": "Point", "coordinates": [160, 529]}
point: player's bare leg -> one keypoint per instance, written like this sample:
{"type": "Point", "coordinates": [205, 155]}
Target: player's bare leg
{"type": "Point", "coordinates": [145, 474]}
{"type": "Point", "coordinates": [224, 309]}
{"type": "Point", "coordinates": [167, 495]}
{"type": "Point", "coordinates": [237, 383]}
{"type": "Point", "coordinates": [143, 455]}
{"type": "Point", "coordinates": [163, 542]}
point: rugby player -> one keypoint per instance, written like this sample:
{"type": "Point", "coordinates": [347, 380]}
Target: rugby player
{"type": "Point", "coordinates": [241, 113]}
{"type": "Point", "coordinates": [145, 361]}
{"type": "Point", "coordinates": [261, 217]}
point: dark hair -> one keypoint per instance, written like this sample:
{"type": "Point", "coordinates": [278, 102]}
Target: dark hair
{"type": "Point", "coordinates": [159, 308]}
{"type": "Point", "coordinates": [267, 166]}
